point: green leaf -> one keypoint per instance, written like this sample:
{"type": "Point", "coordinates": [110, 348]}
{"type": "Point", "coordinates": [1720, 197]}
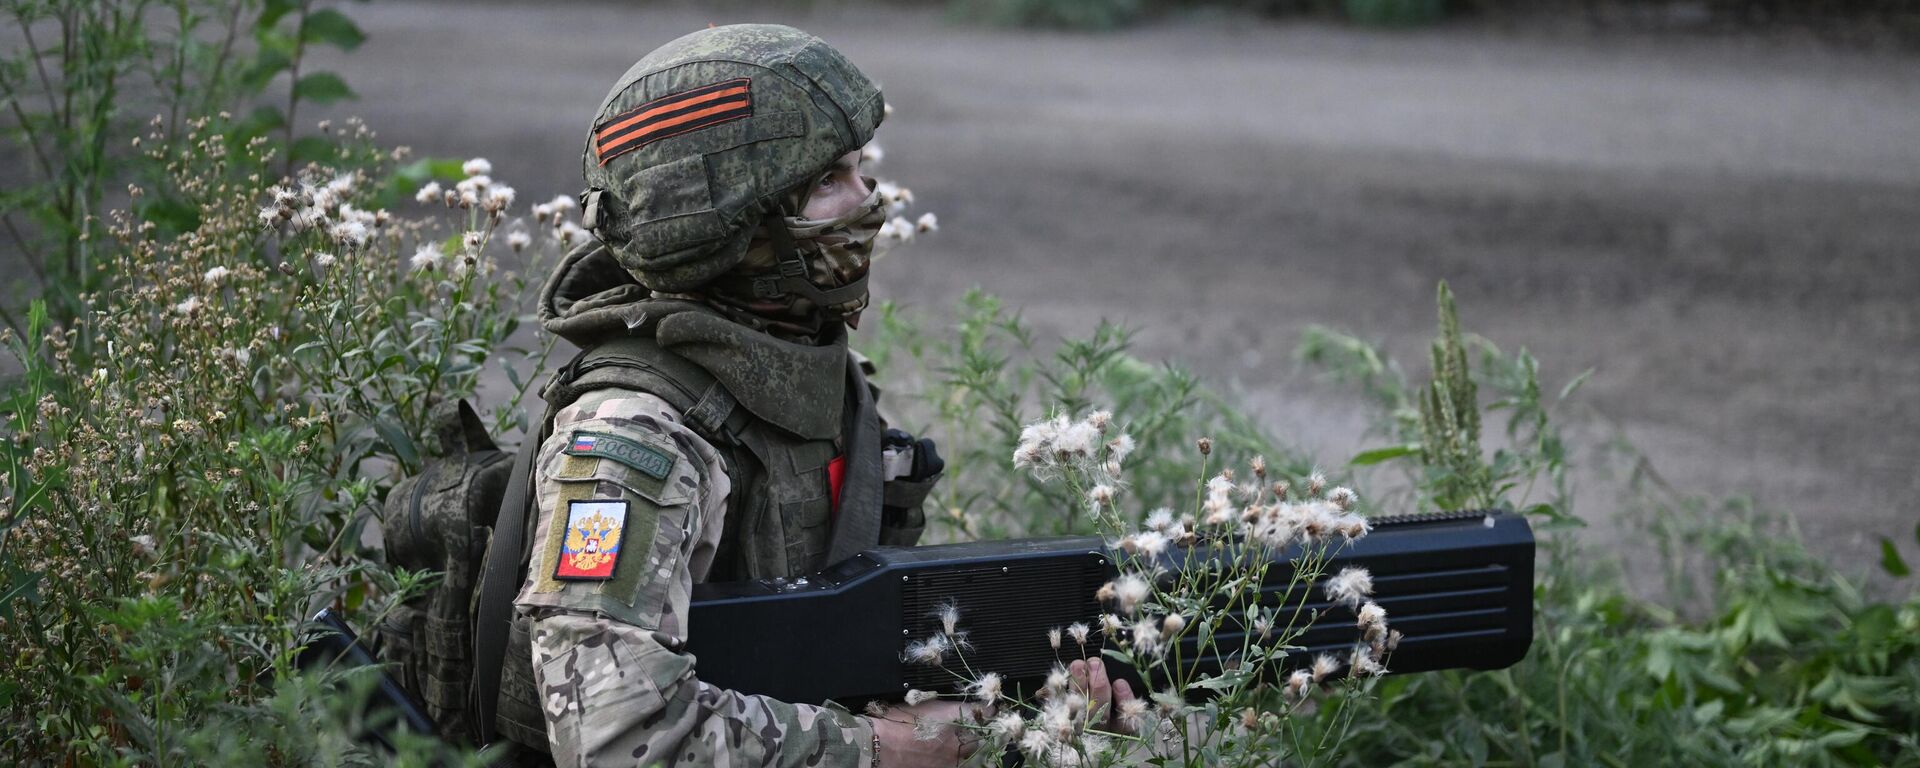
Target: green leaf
{"type": "Point", "coordinates": [322, 88]}
{"type": "Point", "coordinates": [1890, 560]}
{"type": "Point", "coordinates": [1377, 455]}
{"type": "Point", "coordinates": [333, 28]}
{"type": "Point", "coordinates": [396, 438]}
{"type": "Point", "coordinates": [260, 122]}
{"type": "Point", "coordinates": [273, 11]}
{"type": "Point", "coordinates": [1574, 386]}
{"type": "Point", "coordinates": [270, 61]}
{"type": "Point", "coordinates": [311, 149]}
{"type": "Point", "coordinates": [170, 215]}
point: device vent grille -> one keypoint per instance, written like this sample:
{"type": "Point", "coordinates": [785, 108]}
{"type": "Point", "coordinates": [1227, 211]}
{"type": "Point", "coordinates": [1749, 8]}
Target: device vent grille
{"type": "Point", "coordinates": [1004, 618]}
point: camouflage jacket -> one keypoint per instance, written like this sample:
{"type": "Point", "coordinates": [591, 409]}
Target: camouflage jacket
{"type": "Point", "coordinates": [631, 507]}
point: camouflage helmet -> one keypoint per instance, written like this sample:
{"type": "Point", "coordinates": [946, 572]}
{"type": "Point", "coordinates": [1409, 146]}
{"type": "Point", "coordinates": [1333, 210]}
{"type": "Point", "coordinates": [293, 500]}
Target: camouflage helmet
{"type": "Point", "coordinates": [699, 142]}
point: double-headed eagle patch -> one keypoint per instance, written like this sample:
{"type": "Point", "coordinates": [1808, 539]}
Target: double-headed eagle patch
{"type": "Point", "coordinates": [592, 545]}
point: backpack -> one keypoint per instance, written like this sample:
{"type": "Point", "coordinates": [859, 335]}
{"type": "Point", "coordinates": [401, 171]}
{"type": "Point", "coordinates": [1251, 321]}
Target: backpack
{"type": "Point", "coordinates": [442, 520]}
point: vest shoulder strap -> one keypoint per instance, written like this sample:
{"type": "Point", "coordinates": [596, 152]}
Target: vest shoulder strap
{"type": "Point", "coordinates": [642, 365]}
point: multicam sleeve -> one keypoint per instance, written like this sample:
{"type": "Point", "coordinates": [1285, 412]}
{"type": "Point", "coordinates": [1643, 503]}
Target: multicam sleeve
{"type": "Point", "coordinates": [631, 504]}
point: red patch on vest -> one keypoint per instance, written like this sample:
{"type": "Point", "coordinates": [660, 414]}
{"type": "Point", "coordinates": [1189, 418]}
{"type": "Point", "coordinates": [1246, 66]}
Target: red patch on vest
{"type": "Point", "coordinates": [836, 474]}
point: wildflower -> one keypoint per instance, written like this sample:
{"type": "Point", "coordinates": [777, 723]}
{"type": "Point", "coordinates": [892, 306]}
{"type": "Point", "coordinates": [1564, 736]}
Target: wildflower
{"type": "Point", "coordinates": [1169, 700]}
{"type": "Point", "coordinates": [1281, 489]}
{"type": "Point", "coordinates": [902, 229]}
{"type": "Point", "coordinates": [917, 696]}
{"type": "Point", "coordinates": [927, 223]}
{"type": "Point", "coordinates": [872, 153]}
{"type": "Point", "coordinates": [1106, 593]}
{"type": "Point", "coordinates": [986, 690]}
{"type": "Point", "coordinates": [498, 198]}
{"type": "Point", "coordinates": [1008, 726]}
{"type": "Point", "coordinates": [215, 275]}
{"type": "Point", "coordinates": [1173, 623]}
{"type": "Point", "coordinates": [1110, 624]}
{"type": "Point", "coordinates": [341, 184]}
{"type": "Point", "coordinates": [1220, 485]}
{"type": "Point", "coordinates": [1131, 590]}
{"type": "Point", "coordinates": [518, 241]}
{"type": "Point", "coordinates": [1151, 543]}
{"type": "Point", "coordinates": [472, 239]}
{"type": "Point", "coordinates": [350, 233]}
{"type": "Point", "coordinates": [1037, 744]}
{"type": "Point", "coordinates": [1349, 586]}
{"type": "Point", "coordinates": [1206, 445]}
{"type": "Point", "coordinates": [1146, 637]}
{"type": "Point", "coordinates": [272, 215]}
{"type": "Point", "coordinates": [1372, 618]}
{"type": "Point", "coordinates": [1297, 685]}
{"type": "Point", "coordinates": [1133, 714]}
{"type": "Point", "coordinates": [1077, 439]}
{"type": "Point", "coordinates": [1364, 664]}
{"type": "Point", "coordinates": [949, 614]}
{"type": "Point", "coordinates": [1324, 666]}
{"type": "Point", "coordinates": [571, 233]}
{"type": "Point", "coordinates": [1057, 679]}
{"type": "Point", "coordinates": [1053, 638]}
{"type": "Point", "coordinates": [542, 212]}
{"type": "Point", "coordinates": [142, 545]}
{"type": "Point", "coordinates": [931, 651]}
{"type": "Point", "coordinates": [476, 167]}
{"type": "Point", "coordinates": [1056, 718]}
{"type": "Point", "coordinates": [1315, 482]}
{"type": "Point", "coordinates": [1160, 519]}
{"type": "Point", "coordinates": [307, 218]}
{"type": "Point", "coordinates": [427, 256]}
{"type": "Point", "coordinates": [1351, 527]}
{"type": "Point", "coordinates": [188, 306]}
{"type": "Point", "coordinates": [1393, 640]}
{"type": "Point", "coordinates": [1078, 631]}
{"type": "Point", "coordinates": [1263, 626]}
{"type": "Point", "coordinates": [1342, 498]}
{"type": "Point", "coordinates": [1259, 466]}
{"type": "Point", "coordinates": [323, 260]}
{"type": "Point", "coordinates": [561, 204]}
{"type": "Point", "coordinates": [1100, 496]}
{"type": "Point", "coordinates": [928, 728]}
{"type": "Point", "coordinates": [1119, 448]}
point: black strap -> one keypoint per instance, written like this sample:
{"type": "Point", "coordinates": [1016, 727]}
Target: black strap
{"type": "Point", "coordinates": [493, 617]}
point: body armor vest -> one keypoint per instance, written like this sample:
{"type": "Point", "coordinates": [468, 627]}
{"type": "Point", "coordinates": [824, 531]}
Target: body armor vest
{"type": "Point", "coordinates": [777, 412]}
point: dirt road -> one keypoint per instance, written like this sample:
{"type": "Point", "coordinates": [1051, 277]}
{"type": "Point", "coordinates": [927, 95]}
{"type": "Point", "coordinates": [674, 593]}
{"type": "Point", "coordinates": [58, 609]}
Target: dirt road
{"type": "Point", "coordinates": [1729, 231]}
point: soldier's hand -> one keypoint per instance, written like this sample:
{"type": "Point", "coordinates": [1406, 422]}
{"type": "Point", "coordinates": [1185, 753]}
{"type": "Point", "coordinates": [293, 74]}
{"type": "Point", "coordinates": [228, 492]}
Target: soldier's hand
{"type": "Point", "coordinates": [1090, 677]}
{"type": "Point", "coordinates": [901, 748]}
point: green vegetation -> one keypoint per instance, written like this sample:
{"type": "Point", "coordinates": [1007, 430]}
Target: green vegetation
{"type": "Point", "coordinates": [241, 333]}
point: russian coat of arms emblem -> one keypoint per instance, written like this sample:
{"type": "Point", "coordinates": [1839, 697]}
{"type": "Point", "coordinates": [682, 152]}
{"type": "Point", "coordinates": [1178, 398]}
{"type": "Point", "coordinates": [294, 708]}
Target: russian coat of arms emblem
{"type": "Point", "coordinates": [592, 545]}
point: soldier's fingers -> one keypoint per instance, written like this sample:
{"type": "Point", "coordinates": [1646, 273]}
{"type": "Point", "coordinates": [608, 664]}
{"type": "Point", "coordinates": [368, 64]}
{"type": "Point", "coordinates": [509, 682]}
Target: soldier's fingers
{"type": "Point", "coordinates": [1078, 671]}
{"type": "Point", "coordinates": [1122, 693]}
{"type": "Point", "coordinates": [1102, 690]}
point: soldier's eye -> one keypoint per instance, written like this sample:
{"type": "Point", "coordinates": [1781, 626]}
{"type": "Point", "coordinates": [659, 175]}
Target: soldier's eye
{"type": "Point", "coordinates": [825, 181]}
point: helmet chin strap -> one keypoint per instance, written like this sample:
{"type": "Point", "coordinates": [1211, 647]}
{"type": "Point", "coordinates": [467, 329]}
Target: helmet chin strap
{"type": "Point", "coordinates": [793, 277]}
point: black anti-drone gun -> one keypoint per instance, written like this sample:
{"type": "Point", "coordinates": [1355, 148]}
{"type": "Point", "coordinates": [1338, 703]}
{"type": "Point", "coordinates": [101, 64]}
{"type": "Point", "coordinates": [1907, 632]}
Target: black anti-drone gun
{"type": "Point", "coordinates": [1458, 585]}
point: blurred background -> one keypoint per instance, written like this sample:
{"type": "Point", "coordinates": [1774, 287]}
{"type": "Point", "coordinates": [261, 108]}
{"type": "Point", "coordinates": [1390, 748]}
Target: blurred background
{"type": "Point", "coordinates": [1715, 205]}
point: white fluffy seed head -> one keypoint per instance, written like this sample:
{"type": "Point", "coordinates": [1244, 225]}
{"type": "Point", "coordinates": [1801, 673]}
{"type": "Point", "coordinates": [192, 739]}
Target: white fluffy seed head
{"type": "Point", "coordinates": [1350, 586]}
{"type": "Point", "coordinates": [476, 167]}
{"type": "Point", "coordinates": [917, 696]}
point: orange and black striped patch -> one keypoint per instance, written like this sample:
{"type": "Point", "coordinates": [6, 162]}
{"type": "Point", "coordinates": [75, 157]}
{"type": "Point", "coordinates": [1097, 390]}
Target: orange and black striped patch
{"type": "Point", "coordinates": [672, 115]}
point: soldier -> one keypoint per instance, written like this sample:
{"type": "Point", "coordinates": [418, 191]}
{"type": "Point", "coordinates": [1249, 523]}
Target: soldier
{"type": "Point", "coordinates": [716, 426]}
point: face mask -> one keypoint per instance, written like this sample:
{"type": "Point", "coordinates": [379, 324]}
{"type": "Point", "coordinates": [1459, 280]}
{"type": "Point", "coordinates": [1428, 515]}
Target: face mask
{"type": "Point", "coordinates": [839, 251]}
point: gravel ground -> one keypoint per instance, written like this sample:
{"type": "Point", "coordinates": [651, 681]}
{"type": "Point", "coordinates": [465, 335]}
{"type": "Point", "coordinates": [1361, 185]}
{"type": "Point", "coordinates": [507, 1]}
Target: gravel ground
{"type": "Point", "coordinates": [1724, 228]}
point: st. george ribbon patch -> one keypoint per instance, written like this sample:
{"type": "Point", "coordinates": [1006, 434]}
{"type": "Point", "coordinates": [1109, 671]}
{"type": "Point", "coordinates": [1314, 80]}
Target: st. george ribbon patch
{"type": "Point", "coordinates": [650, 461]}
{"type": "Point", "coordinates": [592, 547]}
{"type": "Point", "coordinates": [672, 115]}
